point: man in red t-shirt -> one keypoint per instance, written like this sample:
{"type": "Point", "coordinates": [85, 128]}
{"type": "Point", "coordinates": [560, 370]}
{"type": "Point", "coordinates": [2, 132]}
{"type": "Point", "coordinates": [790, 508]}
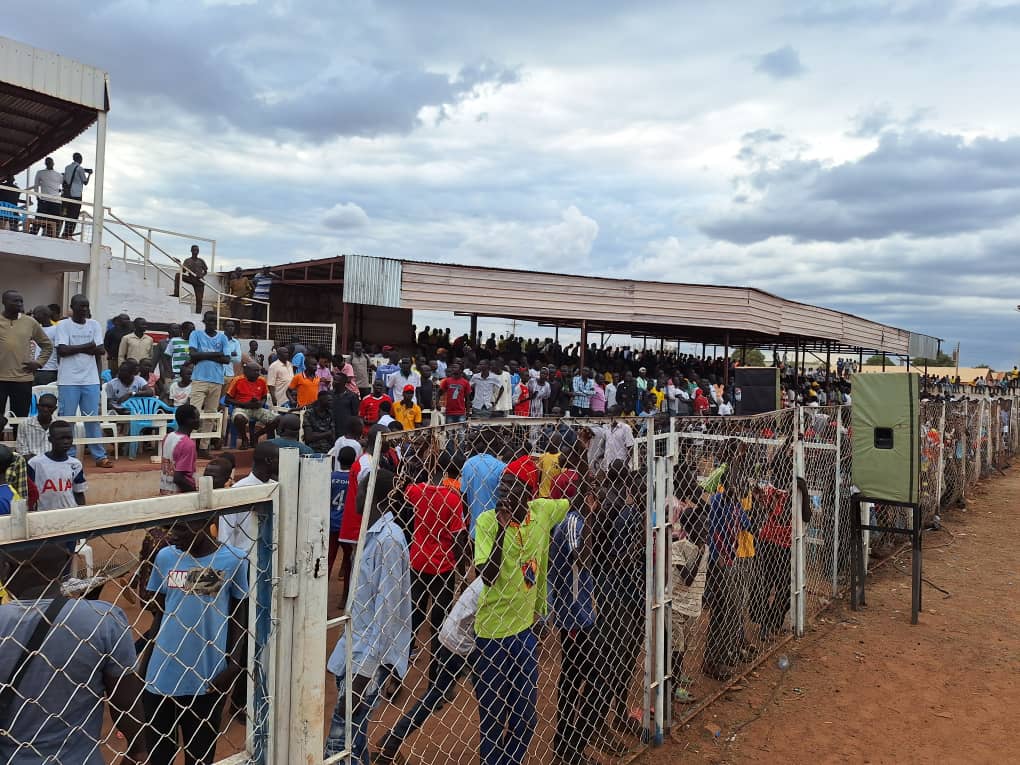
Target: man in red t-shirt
{"type": "Point", "coordinates": [369, 408]}
{"type": "Point", "coordinates": [456, 391]}
{"type": "Point", "coordinates": [248, 394]}
{"type": "Point", "coordinates": [770, 595]}
{"type": "Point", "coordinates": [439, 546]}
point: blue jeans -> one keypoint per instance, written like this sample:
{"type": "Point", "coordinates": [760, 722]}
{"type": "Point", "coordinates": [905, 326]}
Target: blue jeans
{"type": "Point", "coordinates": [359, 722]}
{"type": "Point", "coordinates": [442, 689]}
{"type": "Point", "coordinates": [71, 399]}
{"type": "Point", "coordinates": [456, 418]}
{"type": "Point", "coordinates": [507, 693]}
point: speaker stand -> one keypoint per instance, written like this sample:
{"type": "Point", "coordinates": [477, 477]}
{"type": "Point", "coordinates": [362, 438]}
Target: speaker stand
{"type": "Point", "coordinates": [858, 564]}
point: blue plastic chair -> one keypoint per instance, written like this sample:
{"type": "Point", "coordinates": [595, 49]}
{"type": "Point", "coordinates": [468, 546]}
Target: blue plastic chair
{"type": "Point", "coordinates": [145, 405]}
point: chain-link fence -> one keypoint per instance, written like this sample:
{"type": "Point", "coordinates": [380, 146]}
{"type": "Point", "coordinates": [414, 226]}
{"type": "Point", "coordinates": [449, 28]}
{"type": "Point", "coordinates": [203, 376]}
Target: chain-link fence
{"type": "Point", "coordinates": [137, 631]}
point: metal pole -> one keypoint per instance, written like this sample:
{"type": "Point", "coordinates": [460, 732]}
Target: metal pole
{"type": "Point", "coordinates": [474, 329]}
{"type": "Point", "coordinates": [942, 459]}
{"type": "Point", "coordinates": [95, 293]}
{"type": "Point", "coordinates": [828, 362]}
{"type": "Point", "coordinates": [883, 361]}
{"type": "Point", "coordinates": [584, 341]}
{"type": "Point", "coordinates": [837, 501]}
{"type": "Point", "coordinates": [344, 327]}
{"type": "Point", "coordinates": [797, 562]}
{"type": "Point", "coordinates": [726, 362]}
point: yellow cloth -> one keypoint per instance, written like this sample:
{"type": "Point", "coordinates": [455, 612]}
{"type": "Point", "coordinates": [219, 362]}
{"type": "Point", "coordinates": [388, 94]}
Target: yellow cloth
{"type": "Point", "coordinates": [549, 464]}
{"type": "Point", "coordinates": [408, 416]}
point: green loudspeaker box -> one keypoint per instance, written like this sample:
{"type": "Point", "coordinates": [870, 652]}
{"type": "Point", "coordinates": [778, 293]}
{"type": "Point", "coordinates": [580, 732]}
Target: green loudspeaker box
{"type": "Point", "coordinates": [886, 438]}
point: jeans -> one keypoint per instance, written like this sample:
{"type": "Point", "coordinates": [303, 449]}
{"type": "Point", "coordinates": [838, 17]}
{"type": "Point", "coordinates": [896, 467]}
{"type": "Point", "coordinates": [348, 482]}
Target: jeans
{"type": "Point", "coordinates": [85, 398]}
{"type": "Point", "coordinates": [196, 718]}
{"type": "Point", "coordinates": [441, 691]}
{"type": "Point", "coordinates": [456, 418]}
{"type": "Point", "coordinates": [431, 595]}
{"type": "Point", "coordinates": [507, 694]}
{"type": "Point", "coordinates": [359, 722]}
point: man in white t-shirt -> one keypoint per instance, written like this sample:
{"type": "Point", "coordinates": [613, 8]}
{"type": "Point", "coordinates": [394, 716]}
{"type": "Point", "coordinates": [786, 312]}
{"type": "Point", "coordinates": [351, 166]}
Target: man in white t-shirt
{"type": "Point", "coordinates": [47, 374]}
{"type": "Point", "coordinates": [48, 182]}
{"type": "Point", "coordinates": [59, 477]}
{"type": "Point", "coordinates": [504, 401]}
{"type": "Point", "coordinates": [239, 529]}
{"type": "Point", "coordinates": [79, 342]}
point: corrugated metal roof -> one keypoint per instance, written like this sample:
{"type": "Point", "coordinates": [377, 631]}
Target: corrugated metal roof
{"type": "Point", "coordinates": [46, 101]}
{"type": "Point", "coordinates": [618, 302]}
{"type": "Point", "coordinates": [372, 281]}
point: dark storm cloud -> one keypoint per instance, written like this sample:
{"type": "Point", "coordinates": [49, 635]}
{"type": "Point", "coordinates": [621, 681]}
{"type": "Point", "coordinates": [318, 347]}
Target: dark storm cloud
{"type": "Point", "coordinates": [253, 70]}
{"type": "Point", "coordinates": [780, 64]}
{"type": "Point", "coordinates": [917, 184]}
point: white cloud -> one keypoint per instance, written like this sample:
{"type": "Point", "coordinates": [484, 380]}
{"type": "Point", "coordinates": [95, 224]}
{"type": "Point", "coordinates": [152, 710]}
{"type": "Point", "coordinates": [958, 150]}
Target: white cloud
{"type": "Point", "coordinates": [345, 215]}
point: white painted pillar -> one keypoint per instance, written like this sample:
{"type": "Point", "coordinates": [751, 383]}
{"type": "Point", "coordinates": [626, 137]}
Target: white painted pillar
{"type": "Point", "coordinates": [95, 292]}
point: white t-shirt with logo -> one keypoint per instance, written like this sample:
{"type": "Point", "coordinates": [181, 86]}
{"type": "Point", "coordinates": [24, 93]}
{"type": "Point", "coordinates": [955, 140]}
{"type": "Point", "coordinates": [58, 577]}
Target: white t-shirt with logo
{"type": "Point", "coordinates": [57, 481]}
{"type": "Point", "coordinates": [79, 369]}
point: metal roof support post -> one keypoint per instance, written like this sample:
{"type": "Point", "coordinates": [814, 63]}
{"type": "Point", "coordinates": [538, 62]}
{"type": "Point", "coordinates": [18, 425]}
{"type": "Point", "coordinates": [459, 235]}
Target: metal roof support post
{"type": "Point", "coordinates": [345, 326]}
{"type": "Point", "coordinates": [828, 361]}
{"type": "Point", "coordinates": [584, 341]}
{"type": "Point", "coordinates": [98, 216]}
{"type": "Point", "coordinates": [726, 362]}
{"type": "Point", "coordinates": [883, 361]}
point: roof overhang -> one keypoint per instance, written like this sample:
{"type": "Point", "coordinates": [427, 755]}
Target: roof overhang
{"type": "Point", "coordinates": [46, 101]}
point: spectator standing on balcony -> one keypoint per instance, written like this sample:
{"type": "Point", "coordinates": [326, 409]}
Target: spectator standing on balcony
{"type": "Point", "coordinates": [119, 329]}
{"type": "Point", "coordinates": [240, 288]}
{"type": "Point", "coordinates": [262, 284]}
{"type": "Point", "coordinates": [209, 352]}
{"type": "Point", "coordinates": [362, 369]}
{"type": "Point", "coordinates": [17, 365]}
{"type": "Point", "coordinates": [48, 182]}
{"type": "Point", "coordinates": [79, 342]}
{"type": "Point", "coordinates": [10, 200]}
{"type": "Point", "coordinates": [76, 178]}
{"type": "Point", "coordinates": [135, 344]}
{"type": "Point", "coordinates": [47, 373]}
{"type": "Point", "coordinates": [194, 271]}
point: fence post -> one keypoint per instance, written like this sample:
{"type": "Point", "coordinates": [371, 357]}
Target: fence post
{"type": "Point", "coordinates": [307, 691]}
{"type": "Point", "coordinates": [797, 558]}
{"type": "Point", "coordinates": [661, 560]}
{"type": "Point", "coordinates": [977, 436]}
{"type": "Point", "coordinates": [966, 449]}
{"type": "Point", "coordinates": [837, 503]}
{"type": "Point", "coordinates": [940, 478]}
{"type": "Point", "coordinates": [282, 677]}
{"type": "Point", "coordinates": [650, 686]}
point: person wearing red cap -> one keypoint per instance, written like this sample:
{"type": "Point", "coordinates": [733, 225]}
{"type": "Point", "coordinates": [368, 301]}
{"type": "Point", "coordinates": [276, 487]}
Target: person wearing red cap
{"type": "Point", "coordinates": [512, 554]}
{"type": "Point", "coordinates": [406, 411]}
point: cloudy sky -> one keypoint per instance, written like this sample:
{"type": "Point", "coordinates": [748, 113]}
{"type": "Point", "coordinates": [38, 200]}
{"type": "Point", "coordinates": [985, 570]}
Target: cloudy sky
{"type": "Point", "coordinates": [857, 155]}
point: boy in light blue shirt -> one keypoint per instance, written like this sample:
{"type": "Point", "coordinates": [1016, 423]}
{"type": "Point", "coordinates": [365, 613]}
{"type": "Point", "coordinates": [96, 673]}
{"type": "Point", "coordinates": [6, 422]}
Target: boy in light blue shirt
{"type": "Point", "coordinates": [198, 587]}
{"type": "Point", "coordinates": [210, 350]}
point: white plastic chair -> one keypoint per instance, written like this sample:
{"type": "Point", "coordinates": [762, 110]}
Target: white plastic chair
{"type": "Point", "coordinates": [82, 551]}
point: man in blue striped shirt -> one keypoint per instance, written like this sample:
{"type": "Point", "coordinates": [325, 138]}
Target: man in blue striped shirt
{"type": "Point", "coordinates": [380, 621]}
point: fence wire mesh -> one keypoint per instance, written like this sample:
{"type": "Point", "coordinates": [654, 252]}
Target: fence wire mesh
{"type": "Point", "coordinates": [135, 646]}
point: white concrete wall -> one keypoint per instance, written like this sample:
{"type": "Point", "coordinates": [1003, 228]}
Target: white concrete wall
{"type": "Point", "coordinates": [137, 293]}
{"type": "Point", "coordinates": [37, 280]}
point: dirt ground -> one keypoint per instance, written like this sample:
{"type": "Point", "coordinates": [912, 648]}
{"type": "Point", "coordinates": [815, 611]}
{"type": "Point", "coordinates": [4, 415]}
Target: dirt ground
{"type": "Point", "coordinates": [869, 687]}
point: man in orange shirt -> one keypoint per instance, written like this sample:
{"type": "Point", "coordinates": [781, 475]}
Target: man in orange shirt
{"type": "Point", "coordinates": [247, 394]}
{"type": "Point", "coordinates": [305, 386]}
{"type": "Point", "coordinates": [406, 411]}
